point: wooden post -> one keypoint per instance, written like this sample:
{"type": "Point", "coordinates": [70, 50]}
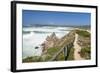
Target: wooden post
{"type": "Point", "coordinates": [65, 53]}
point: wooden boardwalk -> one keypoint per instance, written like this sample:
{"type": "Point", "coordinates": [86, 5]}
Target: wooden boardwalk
{"type": "Point", "coordinates": [66, 45]}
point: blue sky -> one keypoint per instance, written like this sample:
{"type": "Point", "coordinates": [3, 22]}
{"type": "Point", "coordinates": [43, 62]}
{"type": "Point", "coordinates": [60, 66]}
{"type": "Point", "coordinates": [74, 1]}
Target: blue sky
{"type": "Point", "coordinates": [55, 18]}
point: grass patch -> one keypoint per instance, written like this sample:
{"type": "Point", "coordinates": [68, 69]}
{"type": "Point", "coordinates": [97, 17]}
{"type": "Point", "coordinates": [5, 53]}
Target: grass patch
{"type": "Point", "coordinates": [83, 33]}
{"type": "Point", "coordinates": [52, 51]}
{"type": "Point", "coordinates": [86, 53]}
{"type": "Point", "coordinates": [71, 54]}
{"type": "Point", "coordinates": [46, 57]}
{"type": "Point", "coordinates": [60, 57]}
{"type": "Point", "coordinates": [43, 58]}
{"type": "Point", "coordinates": [49, 54]}
{"type": "Point", "coordinates": [32, 59]}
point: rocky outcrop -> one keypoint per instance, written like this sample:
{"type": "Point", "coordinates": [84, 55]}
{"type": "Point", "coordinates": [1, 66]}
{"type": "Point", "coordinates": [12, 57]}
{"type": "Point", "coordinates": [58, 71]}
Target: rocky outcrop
{"type": "Point", "coordinates": [54, 41]}
{"type": "Point", "coordinates": [50, 41]}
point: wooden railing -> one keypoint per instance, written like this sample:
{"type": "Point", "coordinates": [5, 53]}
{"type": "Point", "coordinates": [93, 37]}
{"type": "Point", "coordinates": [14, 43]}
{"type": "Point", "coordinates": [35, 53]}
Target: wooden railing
{"type": "Point", "coordinates": [66, 49]}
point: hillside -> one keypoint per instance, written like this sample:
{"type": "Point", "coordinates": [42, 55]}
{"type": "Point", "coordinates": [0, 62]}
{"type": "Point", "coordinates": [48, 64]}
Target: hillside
{"type": "Point", "coordinates": [55, 49]}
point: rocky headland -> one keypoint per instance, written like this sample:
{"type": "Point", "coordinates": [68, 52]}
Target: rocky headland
{"type": "Point", "coordinates": [79, 47]}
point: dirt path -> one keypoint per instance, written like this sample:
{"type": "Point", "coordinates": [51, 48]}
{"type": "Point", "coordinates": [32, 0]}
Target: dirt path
{"type": "Point", "coordinates": [77, 49]}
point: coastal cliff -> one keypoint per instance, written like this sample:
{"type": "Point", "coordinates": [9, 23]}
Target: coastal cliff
{"type": "Point", "coordinates": [53, 45]}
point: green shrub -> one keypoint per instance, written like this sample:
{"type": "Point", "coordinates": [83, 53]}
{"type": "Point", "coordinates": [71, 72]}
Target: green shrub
{"type": "Point", "coordinates": [52, 51]}
{"type": "Point", "coordinates": [86, 53]}
{"type": "Point", "coordinates": [46, 57]}
{"type": "Point", "coordinates": [60, 57]}
{"type": "Point", "coordinates": [71, 54]}
{"type": "Point", "coordinates": [32, 59]}
{"type": "Point", "coordinates": [83, 33]}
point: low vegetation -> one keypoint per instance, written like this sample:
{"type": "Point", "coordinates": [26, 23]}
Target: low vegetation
{"type": "Point", "coordinates": [86, 53]}
{"type": "Point", "coordinates": [83, 33]}
{"type": "Point", "coordinates": [32, 59]}
{"type": "Point", "coordinates": [71, 54]}
{"type": "Point", "coordinates": [52, 51]}
{"type": "Point", "coordinates": [84, 41]}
